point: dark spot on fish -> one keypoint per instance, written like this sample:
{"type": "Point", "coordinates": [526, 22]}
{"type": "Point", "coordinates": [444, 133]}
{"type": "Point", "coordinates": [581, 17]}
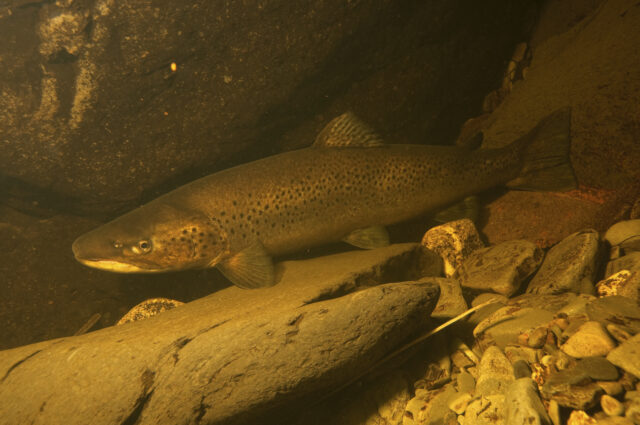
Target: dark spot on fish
{"type": "Point", "coordinates": [223, 213]}
{"type": "Point", "coordinates": [244, 236]}
{"type": "Point", "coordinates": [241, 215]}
{"type": "Point", "coordinates": [233, 217]}
{"type": "Point", "coordinates": [201, 233]}
{"type": "Point", "coordinates": [173, 239]}
{"type": "Point", "coordinates": [233, 231]}
{"type": "Point", "coordinates": [235, 203]}
{"type": "Point", "coordinates": [193, 229]}
{"type": "Point", "coordinates": [249, 217]}
{"type": "Point", "coordinates": [182, 239]}
{"type": "Point", "coordinates": [184, 232]}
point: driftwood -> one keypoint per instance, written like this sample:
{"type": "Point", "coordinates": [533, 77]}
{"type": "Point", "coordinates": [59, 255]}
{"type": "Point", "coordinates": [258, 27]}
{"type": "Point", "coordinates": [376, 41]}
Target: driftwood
{"type": "Point", "coordinates": [236, 356]}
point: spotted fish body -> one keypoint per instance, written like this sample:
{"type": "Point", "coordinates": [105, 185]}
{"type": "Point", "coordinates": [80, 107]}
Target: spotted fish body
{"type": "Point", "coordinates": [237, 219]}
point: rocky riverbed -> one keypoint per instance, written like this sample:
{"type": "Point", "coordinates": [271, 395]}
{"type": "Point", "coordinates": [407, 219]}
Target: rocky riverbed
{"type": "Point", "coordinates": [561, 345]}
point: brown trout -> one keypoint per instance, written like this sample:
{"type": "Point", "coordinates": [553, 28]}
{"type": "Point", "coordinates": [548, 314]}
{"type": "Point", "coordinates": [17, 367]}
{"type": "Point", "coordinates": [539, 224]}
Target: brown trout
{"type": "Point", "coordinates": [347, 186]}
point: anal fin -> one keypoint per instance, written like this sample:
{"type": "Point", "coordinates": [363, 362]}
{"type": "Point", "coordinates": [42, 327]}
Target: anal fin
{"type": "Point", "coordinates": [250, 268]}
{"type": "Point", "coordinates": [368, 237]}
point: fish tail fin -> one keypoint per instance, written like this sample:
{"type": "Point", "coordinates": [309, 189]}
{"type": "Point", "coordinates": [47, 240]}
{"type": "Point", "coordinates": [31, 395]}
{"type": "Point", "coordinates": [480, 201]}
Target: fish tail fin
{"type": "Point", "coordinates": [545, 149]}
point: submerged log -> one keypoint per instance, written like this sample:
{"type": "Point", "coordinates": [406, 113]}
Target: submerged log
{"type": "Point", "coordinates": [236, 356]}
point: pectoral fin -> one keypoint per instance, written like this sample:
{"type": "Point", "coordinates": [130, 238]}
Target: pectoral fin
{"type": "Point", "coordinates": [469, 208]}
{"type": "Point", "coordinates": [368, 238]}
{"type": "Point", "coordinates": [250, 268]}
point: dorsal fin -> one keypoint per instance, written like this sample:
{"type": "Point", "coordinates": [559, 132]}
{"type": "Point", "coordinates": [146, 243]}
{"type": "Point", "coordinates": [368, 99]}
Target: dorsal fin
{"type": "Point", "coordinates": [347, 130]}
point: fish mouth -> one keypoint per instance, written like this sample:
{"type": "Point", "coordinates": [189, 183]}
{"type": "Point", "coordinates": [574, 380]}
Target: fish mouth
{"type": "Point", "coordinates": [116, 266]}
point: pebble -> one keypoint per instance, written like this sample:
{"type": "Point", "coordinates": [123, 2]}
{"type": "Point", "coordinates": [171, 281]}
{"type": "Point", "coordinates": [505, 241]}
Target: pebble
{"type": "Point", "coordinates": [622, 231]}
{"type": "Point", "coordinates": [629, 262]}
{"type": "Point", "coordinates": [580, 417]}
{"type": "Point", "coordinates": [459, 403]}
{"type": "Point", "coordinates": [148, 308]}
{"type": "Point", "coordinates": [465, 382]}
{"type": "Point", "coordinates": [554, 412]}
{"type": "Point", "coordinates": [523, 405]}
{"type": "Point", "coordinates": [618, 333]}
{"type": "Point", "coordinates": [433, 412]}
{"type": "Point", "coordinates": [495, 372]}
{"type": "Point", "coordinates": [611, 406]}
{"type": "Point", "coordinates": [597, 368]}
{"type": "Point", "coordinates": [504, 326]}
{"type": "Point", "coordinates": [451, 302]}
{"type": "Point", "coordinates": [615, 420]}
{"type": "Point", "coordinates": [591, 339]}
{"type": "Point", "coordinates": [485, 411]}
{"type": "Point", "coordinates": [633, 412]}
{"type": "Point", "coordinates": [616, 310]}
{"type": "Point", "coordinates": [612, 388]}
{"type": "Point", "coordinates": [500, 268]}
{"type": "Point", "coordinates": [611, 285]}
{"type": "Point", "coordinates": [569, 265]}
{"type": "Point", "coordinates": [627, 356]}
{"type": "Point", "coordinates": [453, 241]}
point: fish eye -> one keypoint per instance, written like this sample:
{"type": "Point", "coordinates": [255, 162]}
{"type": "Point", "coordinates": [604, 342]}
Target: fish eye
{"type": "Point", "coordinates": [144, 245]}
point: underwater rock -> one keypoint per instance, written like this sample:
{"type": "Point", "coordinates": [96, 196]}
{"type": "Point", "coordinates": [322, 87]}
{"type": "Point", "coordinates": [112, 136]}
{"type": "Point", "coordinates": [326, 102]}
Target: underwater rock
{"type": "Point", "coordinates": [194, 86]}
{"type": "Point", "coordinates": [303, 336]}
{"type": "Point", "coordinates": [451, 302]}
{"type": "Point", "coordinates": [454, 242]}
{"type": "Point", "coordinates": [506, 325]}
{"type": "Point", "coordinates": [148, 308]}
{"type": "Point", "coordinates": [570, 265]}
{"type": "Point", "coordinates": [629, 262]}
{"type": "Point", "coordinates": [611, 406]}
{"type": "Point", "coordinates": [591, 339]}
{"type": "Point", "coordinates": [622, 231]}
{"type": "Point", "coordinates": [627, 356]}
{"type": "Point", "coordinates": [523, 405]}
{"type": "Point", "coordinates": [616, 310]}
{"type": "Point", "coordinates": [500, 268]}
{"type": "Point", "coordinates": [495, 373]}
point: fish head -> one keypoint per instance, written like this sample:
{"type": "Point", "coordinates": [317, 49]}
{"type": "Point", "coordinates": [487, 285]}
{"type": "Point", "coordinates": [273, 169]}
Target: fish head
{"type": "Point", "coordinates": [153, 238]}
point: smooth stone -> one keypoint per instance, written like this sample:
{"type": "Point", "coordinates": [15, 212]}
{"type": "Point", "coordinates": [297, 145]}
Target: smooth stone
{"type": "Point", "coordinates": [622, 231]}
{"type": "Point", "coordinates": [613, 388]}
{"type": "Point", "coordinates": [486, 311]}
{"type": "Point", "coordinates": [518, 352]}
{"type": "Point", "coordinates": [615, 420]}
{"type": "Point", "coordinates": [523, 405]}
{"type": "Point", "coordinates": [611, 285]}
{"type": "Point", "coordinates": [627, 356]}
{"type": "Point", "coordinates": [633, 412]}
{"type": "Point", "coordinates": [630, 245]}
{"type": "Point", "coordinates": [451, 302]}
{"type": "Point", "coordinates": [487, 410]}
{"type": "Point", "coordinates": [575, 396]}
{"type": "Point", "coordinates": [619, 333]}
{"type": "Point", "coordinates": [552, 302]}
{"type": "Point", "coordinates": [554, 412]}
{"type": "Point", "coordinates": [538, 337]}
{"type": "Point", "coordinates": [465, 382]}
{"type": "Point", "coordinates": [495, 372]}
{"type": "Point", "coordinates": [580, 417]}
{"type": "Point", "coordinates": [390, 398]}
{"type": "Point", "coordinates": [504, 326]}
{"type": "Point", "coordinates": [611, 406]}
{"type": "Point", "coordinates": [459, 403]}
{"type": "Point", "coordinates": [500, 268]}
{"type": "Point", "coordinates": [521, 369]}
{"type": "Point", "coordinates": [578, 305]}
{"type": "Point", "coordinates": [629, 262]}
{"type": "Point", "coordinates": [568, 264]}
{"type": "Point", "coordinates": [591, 339]}
{"type": "Point", "coordinates": [453, 241]}
{"type": "Point", "coordinates": [437, 409]}
{"type": "Point", "coordinates": [413, 410]}
{"type": "Point", "coordinates": [616, 310]}
{"type": "Point", "coordinates": [598, 368]}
